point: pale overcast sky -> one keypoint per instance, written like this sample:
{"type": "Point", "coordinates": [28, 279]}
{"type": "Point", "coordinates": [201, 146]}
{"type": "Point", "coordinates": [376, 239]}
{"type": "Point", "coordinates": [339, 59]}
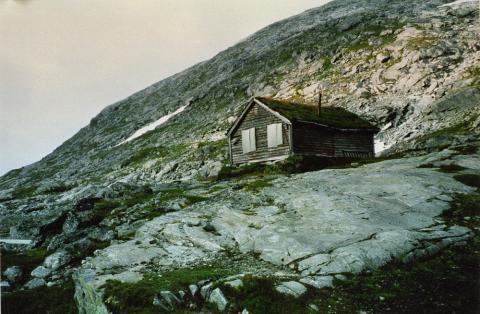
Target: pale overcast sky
{"type": "Point", "coordinates": [62, 61]}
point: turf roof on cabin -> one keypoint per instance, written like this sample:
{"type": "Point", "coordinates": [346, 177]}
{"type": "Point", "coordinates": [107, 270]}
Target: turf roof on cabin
{"type": "Point", "coordinates": [332, 116]}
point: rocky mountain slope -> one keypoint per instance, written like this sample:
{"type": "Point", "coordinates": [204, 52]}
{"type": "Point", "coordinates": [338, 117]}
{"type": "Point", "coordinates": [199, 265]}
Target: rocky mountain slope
{"type": "Point", "coordinates": [100, 207]}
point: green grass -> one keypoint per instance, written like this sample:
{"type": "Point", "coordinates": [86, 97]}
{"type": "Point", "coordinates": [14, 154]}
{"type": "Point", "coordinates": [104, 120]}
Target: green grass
{"type": "Point", "coordinates": [26, 260]}
{"type": "Point", "coordinates": [295, 164]}
{"type": "Point", "coordinates": [332, 116]}
{"type": "Point", "coordinates": [257, 185]}
{"type": "Point", "coordinates": [359, 45]}
{"type": "Point", "coordinates": [24, 192]}
{"type": "Point", "coordinates": [447, 283]}
{"type": "Point", "coordinates": [137, 297]}
{"type": "Point", "coordinates": [258, 295]}
{"type": "Point", "coordinates": [51, 300]}
{"type": "Point", "coordinates": [473, 73]}
{"type": "Point", "coordinates": [421, 41]}
{"type": "Point", "coordinates": [145, 154]}
{"type": "Point", "coordinates": [179, 193]}
{"type": "Point", "coordinates": [463, 205]}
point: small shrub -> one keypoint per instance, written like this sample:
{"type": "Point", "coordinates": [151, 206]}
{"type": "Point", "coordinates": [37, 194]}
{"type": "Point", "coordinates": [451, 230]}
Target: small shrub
{"type": "Point", "coordinates": [52, 300]}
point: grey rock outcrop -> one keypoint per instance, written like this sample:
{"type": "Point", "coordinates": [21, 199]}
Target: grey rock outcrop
{"type": "Point", "coordinates": [35, 283]}
{"type": "Point", "coordinates": [57, 260]}
{"type": "Point", "coordinates": [41, 272]}
{"type": "Point", "coordinates": [216, 297]}
{"type": "Point", "coordinates": [292, 288]}
{"type": "Point", "coordinates": [13, 274]}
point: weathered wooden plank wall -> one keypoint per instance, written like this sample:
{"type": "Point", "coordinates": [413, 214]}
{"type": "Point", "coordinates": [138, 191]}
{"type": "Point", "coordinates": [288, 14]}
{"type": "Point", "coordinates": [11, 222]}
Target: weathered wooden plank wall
{"type": "Point", "coordinates": [259, 118]}
{"type": "Point", "coordinates": [312, 139]}
{"type": "Point", "coordinates": [347, 142]}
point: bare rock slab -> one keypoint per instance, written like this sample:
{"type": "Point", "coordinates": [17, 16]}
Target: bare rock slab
{"type": "Point", "coordinates": [292, 288]}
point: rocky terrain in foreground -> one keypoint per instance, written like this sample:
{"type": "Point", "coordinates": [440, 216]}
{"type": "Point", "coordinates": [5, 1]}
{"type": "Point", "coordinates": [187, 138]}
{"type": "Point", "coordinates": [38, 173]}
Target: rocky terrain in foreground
{"type": "Point", "coordinates": [158, 223]}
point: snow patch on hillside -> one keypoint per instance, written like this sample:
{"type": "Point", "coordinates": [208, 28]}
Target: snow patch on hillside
{"type": "Point", "coordinates": [152, 126]}
{"type": "Point", "coordinates": [456, 2]}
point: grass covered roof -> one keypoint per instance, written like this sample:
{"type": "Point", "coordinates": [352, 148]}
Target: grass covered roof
{"type": "Point", "coordinates": [331, 116]}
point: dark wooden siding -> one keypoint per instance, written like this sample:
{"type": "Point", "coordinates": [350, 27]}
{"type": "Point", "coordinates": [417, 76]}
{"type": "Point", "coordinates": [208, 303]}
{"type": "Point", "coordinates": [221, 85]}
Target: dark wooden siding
{"type": "Point", "coordinates": [354, 144]}
{"type": "Point", "coordinates": [313, 139]}
{"type": "Point", "coordinates": [259, 118]}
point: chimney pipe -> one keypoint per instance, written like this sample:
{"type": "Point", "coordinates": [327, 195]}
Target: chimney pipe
{"type": "Point", "coordinates": [319, 105]}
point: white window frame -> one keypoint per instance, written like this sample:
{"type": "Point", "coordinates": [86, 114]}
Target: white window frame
{"type": "Point", "coordinates": [248, 141]}
{"type": "Point", "coordinates": [274, 135]}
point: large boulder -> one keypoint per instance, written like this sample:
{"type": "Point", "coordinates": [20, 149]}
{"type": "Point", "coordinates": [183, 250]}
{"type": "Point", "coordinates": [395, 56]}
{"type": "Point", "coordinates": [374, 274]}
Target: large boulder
{"type": "Point", "coordinates": [292, 288]}
{"type": "Point", "coordinates": [35, 283]}
{"type": "Point", "coordinates": [41, 272]}
{"type": "Point", "coordinates": [57, 260]}
{"type": "Point", "coordinates": [216, 297]}
{"type": "Point", "coordinates": [13, 273]}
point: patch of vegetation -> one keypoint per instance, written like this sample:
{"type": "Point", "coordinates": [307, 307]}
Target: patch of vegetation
{"type": "Point", "coordinates": [445, 133]}
{"type": "Point", "coordinates": [26, 260]}
{"type": "Point", "coordinates": [228, 172]}
{"type": "Point", "coordinates": [450, 168]}
{"type": "Point", "coordinates": [421, 41]}
{"type": "Point", "coordinates": [473, 73]}
{"type": "Point", "coordinates": [469, 179]}
{"type": "Point", "coordinates": [358, 45]}
{"type": "Point", "coordinates": [52, 300]}
{"type": "Point", "coordinates": [447, 283]}
{"type": "Point", "coordinates": [463, 205]}
{"type": "Point", "coordinates": [427, 165]}
{"type": "Point", "coordinates": [328, 69]}
{"type": "Point", "coordinates": [79, 252]}
{"type": "Point", "coordinates": [466, 149]}
{"type": "Point", "coordinates": [256, 185]}
{"type": "Point", "coordinates": [332, 116]}
{"type": "Point", "coordinates": [179, 193]}
{"type": "Point", "coordinates": [144, 154]}
{"type": "Point", "coordinates": [24, 192]}
{"type": "Point", "coordinates": [258, 295]}
{"type": "Point", "coordinates": [103, 208]}
{"type": "Point", "coordinates": [137, 297]}
{"type": "Point", "coordinates": [297, 164]}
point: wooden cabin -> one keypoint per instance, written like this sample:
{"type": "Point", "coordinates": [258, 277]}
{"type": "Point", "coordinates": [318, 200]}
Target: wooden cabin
{"type": "Point", "coordinates": [270, 129]}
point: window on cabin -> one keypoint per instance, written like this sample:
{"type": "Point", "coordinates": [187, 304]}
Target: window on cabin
{"type": "Point", "coordinates": [274, 135]}
{"type": "Point", "coordinates": [248, 140]}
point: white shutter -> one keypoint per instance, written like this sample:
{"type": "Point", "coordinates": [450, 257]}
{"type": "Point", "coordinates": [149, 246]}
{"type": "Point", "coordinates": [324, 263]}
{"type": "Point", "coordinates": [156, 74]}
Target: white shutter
{"type": "Point", "coordinates": [248, 140]}
{"type": "Point", "coordinates": [253, 145]}
{"type": "Point", "coordinates": [271, 135]}
{"type": "Point", "coordinates": [279, 134]}
{"type": "Point", "coordinates": [274, 135]}
{"type": "Point", "coordinates": [245, 141]}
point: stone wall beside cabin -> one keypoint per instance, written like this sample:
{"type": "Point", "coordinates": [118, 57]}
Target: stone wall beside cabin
{"type": "Point", "coordinates": [259, 117]}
